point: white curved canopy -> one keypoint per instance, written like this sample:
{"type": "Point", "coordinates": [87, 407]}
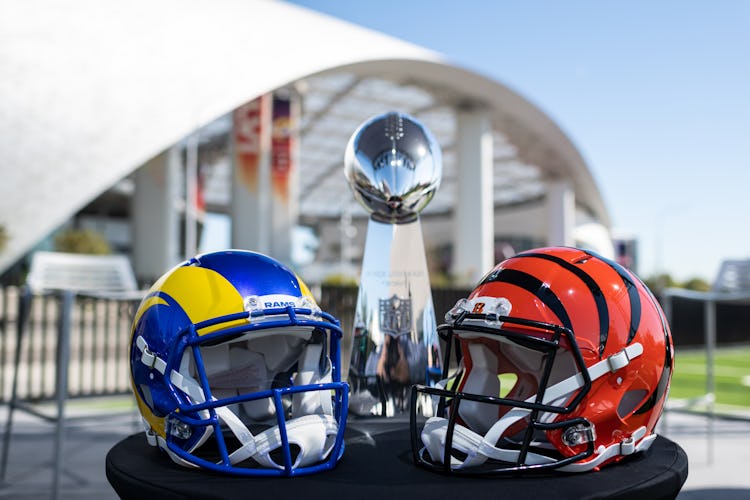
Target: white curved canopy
{"type": "Point", "coordinates": [90, 90]}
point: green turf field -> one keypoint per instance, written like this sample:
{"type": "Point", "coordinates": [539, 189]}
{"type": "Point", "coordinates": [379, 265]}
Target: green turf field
{"type": "Point", "coordinates": [731, 375]}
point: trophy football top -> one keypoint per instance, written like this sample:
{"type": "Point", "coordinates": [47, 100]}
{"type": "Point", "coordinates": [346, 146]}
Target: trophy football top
{"type": "Point", "coordinates": [394, 166]}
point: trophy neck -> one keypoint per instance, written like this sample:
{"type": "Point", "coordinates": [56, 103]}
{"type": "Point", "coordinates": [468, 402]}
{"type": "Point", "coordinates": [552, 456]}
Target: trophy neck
{"type": "Point", "coordinates": [394, 219]}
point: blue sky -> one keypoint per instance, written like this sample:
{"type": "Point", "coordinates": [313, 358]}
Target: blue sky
{"type": "Point", "coordinates": [656, 95]}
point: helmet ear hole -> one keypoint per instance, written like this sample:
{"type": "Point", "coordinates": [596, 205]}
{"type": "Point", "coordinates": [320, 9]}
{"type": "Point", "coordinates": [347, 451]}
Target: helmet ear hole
{"type": "Point", "coordinates": [146, 393]}
{"type": "Point", "coordinates": [631, 400]}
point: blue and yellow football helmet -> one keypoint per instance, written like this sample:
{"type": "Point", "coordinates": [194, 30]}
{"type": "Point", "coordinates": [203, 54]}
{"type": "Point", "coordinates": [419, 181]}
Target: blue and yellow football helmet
{"type": "Point", "coordinates": [236, 369]}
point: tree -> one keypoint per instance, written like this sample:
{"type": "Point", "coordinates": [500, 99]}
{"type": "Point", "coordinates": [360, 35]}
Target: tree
{"type": "Point", "coordinates": [698, 284]}
{"type": "Point", "coordinates": [82, 241]}
{"type": "Point", "coordinates": [3, 238]}
{"type": "Point", "coordinates": [659, 282]}
{"type": "Point", "coordinates": [339, 279]}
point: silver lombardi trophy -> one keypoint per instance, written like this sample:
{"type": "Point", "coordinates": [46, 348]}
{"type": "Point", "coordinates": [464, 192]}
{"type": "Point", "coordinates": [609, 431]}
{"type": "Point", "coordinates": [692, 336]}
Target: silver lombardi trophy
{"type": "Point", "coordinates": [394, 166]}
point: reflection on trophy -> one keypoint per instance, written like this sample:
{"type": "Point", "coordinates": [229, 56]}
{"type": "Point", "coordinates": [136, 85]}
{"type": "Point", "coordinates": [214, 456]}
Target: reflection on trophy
{"type": "Point", "coordinates": [393, 165]}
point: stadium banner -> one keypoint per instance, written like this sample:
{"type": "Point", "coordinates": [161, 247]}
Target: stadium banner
{"type": "Point", "coordinates": [249, 130]}
{"type": "Point", "coordinates": [282, 148]}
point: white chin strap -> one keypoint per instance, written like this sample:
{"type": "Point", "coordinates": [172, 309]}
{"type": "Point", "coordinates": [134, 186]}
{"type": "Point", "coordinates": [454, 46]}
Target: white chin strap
{"type": "Point", "coordinates": [480, 448]}
{"type": "Point", "coordinates": [312, 427]}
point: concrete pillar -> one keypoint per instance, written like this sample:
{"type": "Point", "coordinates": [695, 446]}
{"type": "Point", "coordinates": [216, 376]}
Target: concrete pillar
{"type": "Point", "coordinates": [284, 175]}
{"type": "Point", "coordinates": [155, 213]}
{"type": "Point", "coordinates": [474, 230]}
{"type": "Point", "coordinates": [561, 213]}
{"type": "Point", "coordinates": [192, 215]}
{"type": "Point", "coordinates": [250, 206]}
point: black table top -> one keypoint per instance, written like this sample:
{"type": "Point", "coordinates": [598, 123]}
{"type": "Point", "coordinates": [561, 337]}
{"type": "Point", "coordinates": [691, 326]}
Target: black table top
{"type": "Point", "coordinates": [377, 461]}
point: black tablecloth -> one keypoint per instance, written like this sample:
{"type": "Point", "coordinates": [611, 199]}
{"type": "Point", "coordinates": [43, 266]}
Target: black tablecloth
{"type": "Point", "coordinates": [377, 464]}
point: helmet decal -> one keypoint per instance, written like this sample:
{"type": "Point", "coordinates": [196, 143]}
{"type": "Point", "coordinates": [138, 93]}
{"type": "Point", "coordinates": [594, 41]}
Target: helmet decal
{"type": "Point", "coordinates": [635, 299]}
{"type": "Point", "coordinates": [185, 287]}
{"type": "Point", "coordinates": [149, 301]}
{"type": "Point", "coordinates": [533, 285]}
{"type": "Point", "coordinates": [666, 375]}
{"type": "Point", "coordinates": [596, 293]}
{"type": "Point", "coordinates": [601, 305]}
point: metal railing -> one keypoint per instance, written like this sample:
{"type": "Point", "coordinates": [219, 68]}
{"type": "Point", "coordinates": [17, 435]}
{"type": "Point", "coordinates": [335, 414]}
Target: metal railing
{"type": "Point", "coordinates": [100, 336]}
{"type": "Point", "coordinates": [100, 340]}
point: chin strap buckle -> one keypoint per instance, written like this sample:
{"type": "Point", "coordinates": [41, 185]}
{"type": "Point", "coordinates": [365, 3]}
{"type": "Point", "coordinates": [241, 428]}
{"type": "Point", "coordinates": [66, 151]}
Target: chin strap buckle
{"type": "Point", "coordinates": [622, 359]}
{"type": "Point", "coordinates": [627, 446]}
{"type": "Point", "coordinates": [148, 358]}
{"type": "Point", "coordinates": [636, 442]}
{"type": "Point", "coordinates": [618, 361]}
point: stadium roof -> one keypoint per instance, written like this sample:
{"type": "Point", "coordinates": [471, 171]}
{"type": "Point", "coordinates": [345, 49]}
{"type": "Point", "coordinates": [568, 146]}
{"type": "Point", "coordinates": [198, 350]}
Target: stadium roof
{"type": "Point", "coordinates": [91, 90]}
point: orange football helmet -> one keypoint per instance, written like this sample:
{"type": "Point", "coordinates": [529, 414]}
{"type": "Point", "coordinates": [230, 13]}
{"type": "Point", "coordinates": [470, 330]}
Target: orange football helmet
{"type": "Point", "coordinates": [564, 362]}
